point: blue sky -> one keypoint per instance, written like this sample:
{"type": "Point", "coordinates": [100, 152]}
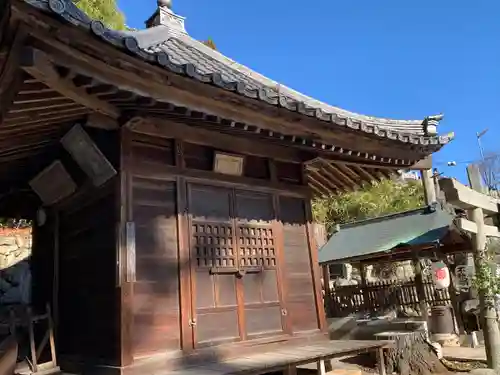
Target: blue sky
{"type": "Point", "coordinates": [390, 58]}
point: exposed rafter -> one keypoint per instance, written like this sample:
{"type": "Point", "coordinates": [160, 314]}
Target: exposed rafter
{"type": "Point", "coordinates": [10, 76]}
{"type": "Point", "coordinates": [321, 182]}
{"type": "Point", "coordinates": [363, 172]}
{"type": "Point", "coordinates": [39, 65]}
{"type": "Point", "coordinates": [353, 182]}
{"type": "Point", "coordinates": [343, 185]}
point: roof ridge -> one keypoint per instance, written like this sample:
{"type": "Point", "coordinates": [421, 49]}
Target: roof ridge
{"type": "Point", "coordinates": [390, 129]}
{"type": "Point", "coordinates": [423, 210]}
{"type": "Point", "coordinates": [280, 87]}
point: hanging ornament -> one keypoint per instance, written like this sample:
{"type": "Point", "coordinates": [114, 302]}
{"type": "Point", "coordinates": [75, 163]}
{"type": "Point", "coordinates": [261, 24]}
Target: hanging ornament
{"type": "Point", "coordinates": [440, 275]}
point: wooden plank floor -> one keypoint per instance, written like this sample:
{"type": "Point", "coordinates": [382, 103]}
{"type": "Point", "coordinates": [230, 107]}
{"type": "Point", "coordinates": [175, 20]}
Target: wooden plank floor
{"type": "Point", "coordinates": [278, 359]}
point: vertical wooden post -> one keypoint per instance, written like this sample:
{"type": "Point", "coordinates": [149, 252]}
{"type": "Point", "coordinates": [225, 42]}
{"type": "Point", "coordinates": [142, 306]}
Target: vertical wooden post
{"type": "Point", "coordinates": [430, 197]}
{"type": "Point", "coordinates": [327, 292]}
{"type": "Point", "coordinates": [187, 310]}
{"type": "Point", "coordinates": [55, 281]}
{"type": "Point", "coordinates": [366, 302]}
{"type": "Point", "coordinates": [31, 333]}
{"type": "Point", "coordinates": [280, 253]}
{"type": "Point", "coordinates": [51, 336]}
{"type": "Point", "coordinates": [429, 187]}
{"type": "Point", "coordinates": [381, 362]}
{"type": "Point", "coordinates": [419, 285]}
{"type": "Point", "coordinates": [124, 214]}
{"type": "Point", "coordinates": [452, 290]}
{"type": "Point", "coordinates": [321, 367]}
{"type": "Point", "coordinates": [486, 301]}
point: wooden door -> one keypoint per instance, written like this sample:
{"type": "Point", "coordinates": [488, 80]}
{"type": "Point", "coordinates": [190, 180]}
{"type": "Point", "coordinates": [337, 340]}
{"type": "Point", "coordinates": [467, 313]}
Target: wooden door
{"type": "Point", "coordinates": [233, 265]}
{"type": "Point", "coordinates": [213, 251]}
{"type": "Point", "coordinates": [257, 256]}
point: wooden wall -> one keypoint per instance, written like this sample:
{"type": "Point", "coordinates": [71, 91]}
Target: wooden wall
{"type": "Point", "coordinates": [42, 265]}
{"type": "Point", "coordinates": [217, 259]}
{"type": "Point", "coordinates": [87, 281]}
{"type": "Point", "coordinates": [153, 209]}
{"type": "Point", "coordinates": [182, 210]}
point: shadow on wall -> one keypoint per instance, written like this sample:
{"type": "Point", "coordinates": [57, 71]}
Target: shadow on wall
{"type": "Point", "coordinates": [212, 244]}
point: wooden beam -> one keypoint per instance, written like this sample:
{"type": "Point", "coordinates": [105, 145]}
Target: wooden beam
{"type": "Point", "coordinates": [332, 175]}
{"type": "Point", "coordinates": [40, 66]}
{"type": "Point", "coordinates": [39, 121]}
{"type": "Point", "coordinates": [363, 171]}
{"type": "Point", "coordinates": [318, 186]}
{"type": "Point", "coordinates": [100, 121]}
{"type": "Point", "coordinates": [423, 164]}
{"type": "Point", "coordinates": [322, 181]}
{"type": "Point", "coordinates": [466, 198]}
{"type": "Point", "coordinates": [21, 154]}
{"type": "Point", "coordinates": [382, 174]}
{"type": "Point", "coordinates": [340, 169]}
{"type": "Point", "coordinates": [332, 167]}
{"type": "Point", "coordinates": [349, 170]}
{"type": "Point", "coordinates": [334, 180]}
{"type": "Point", "coordinates": [43, 114]}
{"type": "Point", "coordinates": [316, 190]}
{"type": "Point", "coordinates": [170, 129]}
{"type": "Point", "coordinates": [11, 77]}
{"type": "Point", "coordinates": [361, 163]}
{"type": "Point", "coordinates": [471, 227]}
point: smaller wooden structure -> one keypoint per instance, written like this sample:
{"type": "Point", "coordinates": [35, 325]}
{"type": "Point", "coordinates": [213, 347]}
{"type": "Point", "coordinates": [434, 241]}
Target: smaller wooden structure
{"type": "Point", "coordinates": [396, 237]}
{"type": "Point", "coordinates": [429, 232]}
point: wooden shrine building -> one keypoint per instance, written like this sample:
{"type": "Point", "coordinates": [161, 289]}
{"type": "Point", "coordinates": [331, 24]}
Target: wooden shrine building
{"type": "Point", "coordinates": [171, 186]}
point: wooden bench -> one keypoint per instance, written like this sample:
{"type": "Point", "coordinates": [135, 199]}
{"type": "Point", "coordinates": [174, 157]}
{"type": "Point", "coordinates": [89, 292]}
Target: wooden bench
{"type": "Point", "coordinates": [287, 358]}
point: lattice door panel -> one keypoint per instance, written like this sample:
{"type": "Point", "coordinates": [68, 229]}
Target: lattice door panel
{"type": "Point", "coordinates": [256, 246]}
{"type": "Point", "coordinates": [213, 245]}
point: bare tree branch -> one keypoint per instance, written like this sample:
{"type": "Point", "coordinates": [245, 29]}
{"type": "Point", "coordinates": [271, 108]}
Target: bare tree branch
{"type": "Point", "coordinates": [490, 169]}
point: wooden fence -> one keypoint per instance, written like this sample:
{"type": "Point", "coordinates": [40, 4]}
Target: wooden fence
{"type": "Point", "coordinates": [380, 296]}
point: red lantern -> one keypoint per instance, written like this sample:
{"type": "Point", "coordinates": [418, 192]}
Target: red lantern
{"type": "Point", "coordinates": [440, 275]}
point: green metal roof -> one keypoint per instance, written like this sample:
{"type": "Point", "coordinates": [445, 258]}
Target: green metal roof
{"type": "Point", "coordinates": [382, 234]}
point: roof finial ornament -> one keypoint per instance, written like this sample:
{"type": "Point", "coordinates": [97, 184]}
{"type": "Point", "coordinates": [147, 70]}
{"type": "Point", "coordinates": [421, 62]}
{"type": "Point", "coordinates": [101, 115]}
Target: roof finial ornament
{"type": "Point", "coordinates": [164, 16]}
{"type": "Point", "coordinates": [164, 4]}
{"type": "Point", "coordinates": [431, 123]}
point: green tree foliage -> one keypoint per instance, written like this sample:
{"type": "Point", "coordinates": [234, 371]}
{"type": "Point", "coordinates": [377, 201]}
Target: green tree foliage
{"type": "Point", "coordinates": [486, 278]}
{"type": "Point", "coordinates": [105, 11]}
{"type": "Point", "coordinates": [375, 199]}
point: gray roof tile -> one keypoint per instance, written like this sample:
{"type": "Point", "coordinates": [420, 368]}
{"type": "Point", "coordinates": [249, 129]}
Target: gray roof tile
{"type": "Point", "coordinates": [176, 51]}
{"type": "Point", "coordinates": [378, 235]}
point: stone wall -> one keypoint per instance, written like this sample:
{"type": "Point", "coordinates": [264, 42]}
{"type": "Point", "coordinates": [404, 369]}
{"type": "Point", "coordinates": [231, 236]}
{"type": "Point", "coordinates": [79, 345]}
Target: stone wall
{"type": "Point", "coordinates": [15, 274]}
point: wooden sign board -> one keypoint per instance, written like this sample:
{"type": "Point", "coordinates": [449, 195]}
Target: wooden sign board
{"type": "Point", "coordinates": [228, 164]}
{"type": "Point", "coordinates": [88, 156]}
{"type": "Point", "coordinates": [53, 184]}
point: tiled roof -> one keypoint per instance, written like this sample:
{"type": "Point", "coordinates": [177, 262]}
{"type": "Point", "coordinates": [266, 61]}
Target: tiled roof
{"type": "Point", "coordinates": [173, 49]}
{"type": "Point", "coordinates": [382, 234]}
